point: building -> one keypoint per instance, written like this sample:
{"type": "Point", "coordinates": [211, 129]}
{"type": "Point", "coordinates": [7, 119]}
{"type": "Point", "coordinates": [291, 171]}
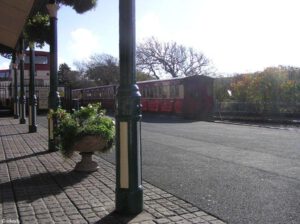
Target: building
{"type": "Point", "coordinates": [42, 80]}
{"type": "Point", "coordinates": [42, 69]}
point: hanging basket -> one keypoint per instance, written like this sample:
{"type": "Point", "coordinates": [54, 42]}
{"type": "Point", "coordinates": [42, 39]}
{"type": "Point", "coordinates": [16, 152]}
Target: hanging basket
{"type": "Point", "coordinates": [81, 6]}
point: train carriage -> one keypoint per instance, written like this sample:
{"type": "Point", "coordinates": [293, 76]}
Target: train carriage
{"type": "Point", "coordinates": [198, 100]}
{"type": "Point", "coordinates": [190, 97]}
{"type": "Point", "coordinates": [103, 94]}
{"type": "Point", "coordinates": [162, 96]}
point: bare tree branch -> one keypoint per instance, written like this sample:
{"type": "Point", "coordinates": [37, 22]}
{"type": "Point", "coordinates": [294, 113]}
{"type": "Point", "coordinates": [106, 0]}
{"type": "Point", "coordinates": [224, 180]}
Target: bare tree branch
{"type": "Point", "coordinates": [157, 58]}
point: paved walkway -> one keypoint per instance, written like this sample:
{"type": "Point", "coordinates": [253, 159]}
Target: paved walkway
{"type": "Point", "coordinates": [40, 187]}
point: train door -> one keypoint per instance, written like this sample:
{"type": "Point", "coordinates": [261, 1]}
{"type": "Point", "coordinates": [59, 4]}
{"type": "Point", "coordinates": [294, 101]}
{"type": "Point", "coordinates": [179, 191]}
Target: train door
{"type": "Point", "coordinates": [198, 99]}
{"type": "Point", "coordinates": [191, 105]}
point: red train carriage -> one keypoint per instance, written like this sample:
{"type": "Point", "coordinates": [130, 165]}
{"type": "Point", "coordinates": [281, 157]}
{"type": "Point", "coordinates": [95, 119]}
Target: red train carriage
{"type": "Point", "coordinates": [190, 97]}
{"type": "Point", "coordinates": [198, 100]}
{"type": "Point", "coordinates": [103, 94]}
{"type": "Point", "coordinates": [162, 96]}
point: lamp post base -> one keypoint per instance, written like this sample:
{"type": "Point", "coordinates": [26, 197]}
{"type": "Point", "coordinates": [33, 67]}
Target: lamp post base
{"type": "Point", "coordinates": [129, 202]}
{"type": "Point", "coordinates": [52, 146]}
{"type": "Point", "coordinates": [22, 121]}
{"type": "Point", "coordinates": [32, 128]}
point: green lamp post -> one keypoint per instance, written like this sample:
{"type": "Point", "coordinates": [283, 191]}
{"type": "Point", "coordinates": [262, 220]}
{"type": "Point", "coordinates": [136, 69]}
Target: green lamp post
{"type": "Point", "coordinates": [16, 97]}
{"type": "Point", "coordinates": [54, 100]}
{"type": "Point", "coordinates": [32, 96]}
{"type": "Point", "coordinates": [22, 92]}
{"type": "Point", "coordinates": [129, 190]}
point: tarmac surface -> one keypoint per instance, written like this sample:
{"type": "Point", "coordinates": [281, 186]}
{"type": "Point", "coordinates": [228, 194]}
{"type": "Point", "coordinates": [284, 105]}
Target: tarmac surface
{"type": "Point", "coordinates": [37, 186]}
{"type": "Point", "coordinates": [239, 172]}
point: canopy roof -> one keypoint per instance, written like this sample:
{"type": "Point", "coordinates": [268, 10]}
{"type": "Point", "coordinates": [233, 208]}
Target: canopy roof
{"type": "Point", "coordinates": [13, 16]}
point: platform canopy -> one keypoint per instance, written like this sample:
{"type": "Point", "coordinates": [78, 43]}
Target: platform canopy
{"type": "Point", "coordinates": [13, 17]}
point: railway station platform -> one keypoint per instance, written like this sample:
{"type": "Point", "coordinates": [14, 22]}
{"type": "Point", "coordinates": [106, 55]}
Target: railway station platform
{"type": "Point", "coordinates": [37, 186]}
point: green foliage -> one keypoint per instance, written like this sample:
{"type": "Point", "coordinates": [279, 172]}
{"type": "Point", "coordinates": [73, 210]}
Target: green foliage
{"type": "Point", "coordinates": [142, 76]}
{"type": "Point", "coordinates": [221, 87]}
{"type": "Point", "coordinates": [89, 120]}
{"type": "Point", "coordinates": [63, 71]}
{"type": "Point", "coordinates": [275, 89]}
{"type": "Point", "coordinates": [103, 69]}
{"type": "Point", "coordinates": [37, 29]}
{"type": "Point", "coordinates": [80, 6]}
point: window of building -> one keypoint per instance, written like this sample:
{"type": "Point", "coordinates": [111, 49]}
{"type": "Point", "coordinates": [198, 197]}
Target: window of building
{"type": "Point", "coordinates": [39, 60]}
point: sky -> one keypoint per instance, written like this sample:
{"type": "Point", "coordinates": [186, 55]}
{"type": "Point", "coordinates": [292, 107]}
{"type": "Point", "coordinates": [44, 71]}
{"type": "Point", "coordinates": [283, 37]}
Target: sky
{"type": "Point", "coordinates": [238, 36]}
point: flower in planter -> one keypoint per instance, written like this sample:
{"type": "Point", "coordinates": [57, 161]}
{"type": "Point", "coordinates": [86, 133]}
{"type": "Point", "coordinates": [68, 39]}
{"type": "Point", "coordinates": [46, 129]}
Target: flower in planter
{"type": "Point", "coordinates": [76, 131]}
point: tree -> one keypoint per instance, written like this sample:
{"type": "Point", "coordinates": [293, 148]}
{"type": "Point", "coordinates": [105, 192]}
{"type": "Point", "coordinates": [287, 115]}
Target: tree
{"type": "Point", "coordinates": [103, 69]}
{"type": "Point", "coordinates": [72, 78]}
{"type": "Point", "coordinates": [221, 88]}
{"type": "Point", "coordinates": [142, 76]}
{"type": "Point", "coordinates": [62, 73]}
{"type": "Point", "coordinates": [158, 58]}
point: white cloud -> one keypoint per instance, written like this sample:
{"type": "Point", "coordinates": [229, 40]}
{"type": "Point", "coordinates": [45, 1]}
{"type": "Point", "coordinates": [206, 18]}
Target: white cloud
{"type": "Point", "coordinates": [241, 36]}
{"type": "Point", "coordinates": [83, 44]}
{"type": "Point", "coordinates": [4, 64]}
{"type": "Point", "coordinates": [151, 25]}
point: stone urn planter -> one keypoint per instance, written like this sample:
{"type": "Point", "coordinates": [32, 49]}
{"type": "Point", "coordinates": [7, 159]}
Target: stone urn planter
{"type": "Point", "coordinates": [86, 131]}
{"type": "Point", "coordinates": [86, 147]}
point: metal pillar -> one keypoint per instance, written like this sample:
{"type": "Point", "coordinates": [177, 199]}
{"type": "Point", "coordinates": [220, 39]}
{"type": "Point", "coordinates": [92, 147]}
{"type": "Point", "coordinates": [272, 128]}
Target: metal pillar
{"type": "Point", "coordinates": [32, 96]}
{"type": "Point", "coordinates": [54, 101]}
{"type": "Point", "coordinates": [16, 97]}
{"type": "Point", "coordinates": [129, 190]}
{"type": "Point", "coordinates": [22, 92]}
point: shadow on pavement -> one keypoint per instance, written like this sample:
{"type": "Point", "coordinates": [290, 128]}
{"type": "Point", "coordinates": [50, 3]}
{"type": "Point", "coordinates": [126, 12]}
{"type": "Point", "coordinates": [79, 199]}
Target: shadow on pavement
{"type": "Point", "coordinates": [115, 218]}
{"type": "Point", "coordinates": [24, 157]}
{"type": "Point", "coordinates": [40, 185]}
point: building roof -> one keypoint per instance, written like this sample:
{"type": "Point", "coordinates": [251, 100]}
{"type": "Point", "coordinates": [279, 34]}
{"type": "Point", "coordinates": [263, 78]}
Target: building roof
{"type": "Point", "coordinates": [13, 17]}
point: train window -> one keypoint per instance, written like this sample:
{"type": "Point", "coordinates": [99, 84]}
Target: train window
{"type": "Point", "coordinates": [151, 92]}
{"type": "Point", "coordinates": [176, 91]}
{"type": "Point", "coordinates": [146, 92]}
{"type": "Point", "coordinates": [181, 91]}
{"type": "Point", "coordinates": [160, 92]}
{"type": "Point", "coordinates": [165, 91]}
{"type": "Point", "coordinates": [142, 92]}
{"type": "Point", "coordinates": [172, 91]}
{"type": "Point", "coordinates": [155, 92]}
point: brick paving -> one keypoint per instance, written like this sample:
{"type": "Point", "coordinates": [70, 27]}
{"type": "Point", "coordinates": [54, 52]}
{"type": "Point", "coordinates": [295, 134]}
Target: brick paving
{"type": "Point", "coordinates": [37, 186]}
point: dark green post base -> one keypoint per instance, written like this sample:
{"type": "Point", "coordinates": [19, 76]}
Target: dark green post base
{"type": "Point", "coordinates": [23, 110]}
{"type": "Point", "coordinates": [22, 121]}
{"type": "Point", "coordinates": [16, 108]}
{"type": "Point", "coordinates": [32, 128]}
{"type": "Point", "coordinates": [129, 202]}
{"type": "Point", "coordinates": [52, 145]}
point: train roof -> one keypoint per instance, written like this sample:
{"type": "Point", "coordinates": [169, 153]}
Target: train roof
{"type": "Point", "coordinates": [94, 87]}
{"type": "Point", "coordinates": [197, 77]}
{"type": "Point", "coordinates": [176, 79]}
